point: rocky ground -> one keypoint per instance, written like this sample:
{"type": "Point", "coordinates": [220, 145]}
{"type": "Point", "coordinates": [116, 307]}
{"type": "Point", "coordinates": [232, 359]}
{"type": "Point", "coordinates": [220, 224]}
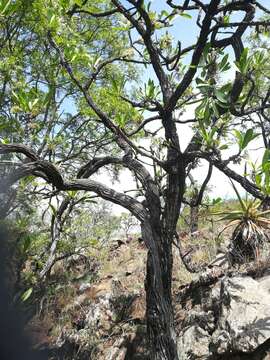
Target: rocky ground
{"type": "Point", "coordinates": [225, 315]}
{"type": "Point", "coordinates": [97, 312]}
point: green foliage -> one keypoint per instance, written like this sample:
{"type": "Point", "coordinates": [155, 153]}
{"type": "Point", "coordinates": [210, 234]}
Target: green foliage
{"type": "Point", "coordinates": [244, 138]}
{"type": "Point", "coordinates": [244, 62]}
{"type": "Point", "coordinates": [250, 223]}
{"type": "Point", "coordinates": [35, 96]}
{"type": "Point", "coordinates": [26, 295]}
{"type": "Point", "coordinates": [92, 226]}
{"type": "Point", "coordinates": [248, 211]}
{"type": "Point", "coordinates": [8, 7]}
{"type": "Point", "coordinates": [260, 173]}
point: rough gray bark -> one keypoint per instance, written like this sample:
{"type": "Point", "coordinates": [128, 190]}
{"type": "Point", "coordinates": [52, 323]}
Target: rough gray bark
{"type": "Point", "coordinates": [194, 219]}
{"type": "Point", "coordinates": [55, 235]}
{"type": "Point", "coordinates": [159, 310]}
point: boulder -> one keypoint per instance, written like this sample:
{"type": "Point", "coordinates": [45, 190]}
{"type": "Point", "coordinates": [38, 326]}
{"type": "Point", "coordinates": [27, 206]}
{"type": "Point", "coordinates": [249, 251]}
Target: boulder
{"type": "Point", "coordinates": [233, 318]}
{"type": "Point", "coordinates": [194, 344]}
{"type": "Point", "coordinates": [244, 313]}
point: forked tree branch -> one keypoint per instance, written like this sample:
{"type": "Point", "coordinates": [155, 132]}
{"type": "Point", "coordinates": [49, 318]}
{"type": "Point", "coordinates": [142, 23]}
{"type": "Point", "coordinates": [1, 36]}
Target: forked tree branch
{"type": "Point", "coordinates": [51, 174]}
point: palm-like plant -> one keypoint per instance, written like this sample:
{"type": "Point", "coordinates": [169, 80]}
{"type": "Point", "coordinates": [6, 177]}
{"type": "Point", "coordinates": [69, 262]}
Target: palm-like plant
{"type": "Point", "coordinates": [249, 233]}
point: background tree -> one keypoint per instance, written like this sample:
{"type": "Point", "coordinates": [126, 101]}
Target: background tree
{"type": "Point", "coordinates": [88, 51]}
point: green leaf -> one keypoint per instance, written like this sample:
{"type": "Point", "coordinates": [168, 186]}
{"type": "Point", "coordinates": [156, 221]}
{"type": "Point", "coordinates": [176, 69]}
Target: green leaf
{"type": "Point", "coordinates": [72, 193]}
{"type": "Point", "coordinates": [4, 6]}
{"type": "Point", "coordinates": [266, 158]}
{"type": "Point", "coordinates": [150, 90]}
{"type": "Point", "coordinates": [54, 211]}
{"type": "Point", "coordinates": [223, 147]}
{"type": "Point", "coordinates": [164, 13]}
{"type": "Point", "coordinates": [206, 49]}
{"type": "Point", "coordinates": [215, 109]}
{"type": "Point", "coordinates": [185, 15]}
{"type": "Point", "coordinates": [226, 19]}
{"type": "Point", "coordinates": [5, 141]}
{"type": "Point", "coordinates": [238, 135]}
{"type": "Point", "coordinates": [115, 85]}
{"type": "Point", "coordinates": [248, 137]}
{"type": "Point", "coordinates": [258, 180]}
{"type": "Point", "coordinates": [242, 203]}
{"type": "Point", "coordinates": [232, 215]}
{"type": "Point", "coordinates": [212, 132]}
{"type": "Point", "coordinates": [221, 96]}
{"type": "Point", "coordinates": [204, 133]}
{"type": "Point", "coordinates": [26, 243]}
{"type": "Point", "coordinates": [216, 201]}
{"type": "Point", "coordinates": [244, 62]}
{"type": "Point", "coordinates": [244, 55]}
{"type": "Point", "coordinates": [26, 295]}
{"type": "Point", "coordinates": [245, 139]}
{"type": "Point", "coordinates": [121, 120]}
{"type": "Point", "coordinates": [224, 64]}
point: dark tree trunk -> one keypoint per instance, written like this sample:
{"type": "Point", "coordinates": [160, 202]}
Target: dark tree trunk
{"type": "Point", "coordinates": [159, 310]}
{"type": "Point", "coordinates": [194, 219]}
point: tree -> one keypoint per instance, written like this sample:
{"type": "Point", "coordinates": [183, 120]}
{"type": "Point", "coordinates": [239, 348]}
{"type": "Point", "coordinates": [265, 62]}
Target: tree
{"type": "Point", "coordinates": [90, 53]}
{"type": "Point", "coordinates": [91, 224]}
{"type": "Point", "coordinates": [196, 198]}
{"type": "Point", "coordinates": [128, 224]}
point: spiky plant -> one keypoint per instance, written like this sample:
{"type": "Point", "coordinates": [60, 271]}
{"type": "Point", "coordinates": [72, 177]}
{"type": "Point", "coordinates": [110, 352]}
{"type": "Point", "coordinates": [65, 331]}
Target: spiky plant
{"type": "Point", "coordinates": [249, 234]}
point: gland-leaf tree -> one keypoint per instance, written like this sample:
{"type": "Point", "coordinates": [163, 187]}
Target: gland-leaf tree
{"type": "Point", "coordinates": [91, 85]}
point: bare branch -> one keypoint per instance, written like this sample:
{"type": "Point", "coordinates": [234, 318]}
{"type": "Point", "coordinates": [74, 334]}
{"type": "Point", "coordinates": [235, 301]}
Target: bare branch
{"type": "Point", "coordinates": [181, 88]}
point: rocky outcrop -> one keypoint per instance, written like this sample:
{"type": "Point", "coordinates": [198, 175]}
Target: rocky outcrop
{"type": "Point", "coordinates": [226, 319]}
{"type": "Point", "coordinates": [107, 323]}
{"type": "Point", "coordinates": [222, 314]}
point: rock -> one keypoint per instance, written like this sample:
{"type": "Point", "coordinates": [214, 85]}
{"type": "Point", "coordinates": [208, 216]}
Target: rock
{"type": "Point", "coordinates": [117, 352]}
{"type": "Point", "coordinates": [204, 320]}
{"type": "Point", "coordinates": [233, 318]}
{"type": "Point", "coordinates": [245, 312]}
{"type": "Point", "coordinates": [68, 343]}
{"type": "Point", "coordinates": [194, 344]}
{"type": "Point", "coordinates": [221, 260]}
{"type": "Point", "coordinates": [102, 311]}
{"type": "Point", "coordinates": [83, 287]}
{"type": "Point", "coordinates": [220, 342]}
{"type": "Point", "coordinates": [99, 314]}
